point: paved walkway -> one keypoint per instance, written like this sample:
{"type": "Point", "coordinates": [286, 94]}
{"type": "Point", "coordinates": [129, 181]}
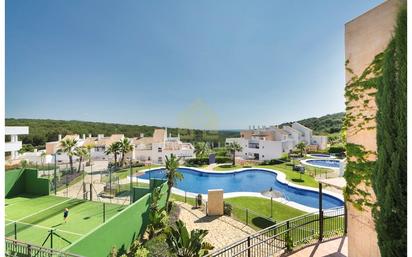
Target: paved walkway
{"type": "Point", "coordinates": [337, 247]}
{"type": "Point", "coordinates": [223, 230]}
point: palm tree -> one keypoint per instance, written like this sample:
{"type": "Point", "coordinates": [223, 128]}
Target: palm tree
{"type": "Point", "coordinates": [82, 153]}
{"type": "Point", "coordinates": [89, 150]}
{"type": "Point", "coordinates": [125, 147]}
{"type": "Point", "coordinates": [301, 146]}
{"type": "Point", "coordinates": [202, 149]}
{"type": "Point", "coordinates": [184, 244]}
{"type": "Point", "coordinates": [67, 146]}
{"type": "Point", "coordinates": [234, 147]}
{"type": "Point", "coordinates": [171, 173]}
{"type": "Point", "coordinates": [114, 149]}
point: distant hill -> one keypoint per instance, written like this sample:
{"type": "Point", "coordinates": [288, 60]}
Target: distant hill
{"type": "Point", "coordinates": [327, 124]}
{"type": "Point", "coordinates": [45, 130]}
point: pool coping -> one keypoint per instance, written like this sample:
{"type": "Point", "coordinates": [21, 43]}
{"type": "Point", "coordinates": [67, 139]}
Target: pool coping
{"type": "Point", "coordinates": [305, 162]}
{"type": "Point", "coordinates": [281, 177]}
{"type": "Point", "coordinates": [321, 157]}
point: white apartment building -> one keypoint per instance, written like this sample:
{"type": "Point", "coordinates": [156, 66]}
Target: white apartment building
{"type": "Point", "coordinates": [148, 149]}
{"type": "Point", "coordinates": [14, 145]}
{"type": "Point", "coordinates": [154, 149]}
{"type": "Point", "coordinates": [272, 142]}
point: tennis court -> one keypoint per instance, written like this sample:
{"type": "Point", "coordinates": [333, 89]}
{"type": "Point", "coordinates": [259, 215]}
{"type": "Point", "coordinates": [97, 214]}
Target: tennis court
{"type": "Point", "coordinates": [32, 218]}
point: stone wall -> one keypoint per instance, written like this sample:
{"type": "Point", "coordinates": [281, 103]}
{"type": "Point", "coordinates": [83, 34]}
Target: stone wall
{"type": "Point", "coordinates": [365, 37]}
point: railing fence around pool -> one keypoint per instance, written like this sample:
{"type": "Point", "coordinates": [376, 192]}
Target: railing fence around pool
{"type": "Point", "coordinates": [14, 248]}
{"type": "Point", "coordinates": [285, 235]}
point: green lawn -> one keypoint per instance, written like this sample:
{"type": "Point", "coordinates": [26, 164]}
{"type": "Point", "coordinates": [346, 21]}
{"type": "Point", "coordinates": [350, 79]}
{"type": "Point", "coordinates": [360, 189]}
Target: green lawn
{"type": "Point", "coordinates": [36, 216]}
{"type": "Point", "coordinates": [123, 173]}
{"type": "Point", "coordinates": [258, 209]}
{"type": "Point", "coordinates": [227, 167]}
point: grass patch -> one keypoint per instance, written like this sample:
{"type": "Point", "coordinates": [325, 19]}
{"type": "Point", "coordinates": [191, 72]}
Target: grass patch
{"type": "Point", "coordinates": [259, 209]}
{"type": "Point", "coordinates": [227, 167]}
{"type": "Point", "coordinates": [123, 173]}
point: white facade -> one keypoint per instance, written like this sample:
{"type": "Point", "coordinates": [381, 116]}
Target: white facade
{"type": "Point", "coordinates": [145, 149]}
{"type": "Point", "coordinates": [14, 145]}
{"type": "Point", "coordinates": [155, 149]}
{"type": "Point", "coordinates": [268, 143]}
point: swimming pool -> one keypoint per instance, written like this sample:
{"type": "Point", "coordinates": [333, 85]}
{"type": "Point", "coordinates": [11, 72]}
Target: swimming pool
{"type": "Point", "coordinates": [324, 163]}
{"type": "Point", "coordinates": [250, 180]}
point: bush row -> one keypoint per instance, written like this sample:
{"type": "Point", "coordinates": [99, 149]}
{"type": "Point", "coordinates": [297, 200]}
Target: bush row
{"type": "Point", "coordinates": [205, 161]}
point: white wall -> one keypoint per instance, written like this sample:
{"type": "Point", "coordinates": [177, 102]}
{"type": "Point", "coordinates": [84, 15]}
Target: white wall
{"type": "Point", "coordinates": [321, 141]}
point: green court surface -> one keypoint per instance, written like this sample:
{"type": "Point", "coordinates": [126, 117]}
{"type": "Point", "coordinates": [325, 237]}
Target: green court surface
{"type": "Point", "coordinates": [30, 219]}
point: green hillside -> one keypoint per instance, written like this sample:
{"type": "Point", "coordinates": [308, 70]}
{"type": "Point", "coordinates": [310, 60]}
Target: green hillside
{"type": "Point", "coordinates": [45, 130]}
{"type": "Point", "coordinates": [328, 124]}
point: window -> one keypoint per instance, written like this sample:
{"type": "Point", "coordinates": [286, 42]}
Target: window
{"type": "Point", "coordinates": [159, 150]}
{"type": "Point", "coordinates": [159, 159]}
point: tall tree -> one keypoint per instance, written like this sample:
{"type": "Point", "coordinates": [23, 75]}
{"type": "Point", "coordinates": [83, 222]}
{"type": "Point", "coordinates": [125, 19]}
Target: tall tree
{"type": "Point", "coordinates": [234, 147]}
{"type": "Point", "coordinates": [202, 149]}
{"type": "Point", "coordinates": [67, 146]}
{"type": "Point", "coordinates": [114, 149]}
{"type": "Point", "coordinates": [389, 179]}
{"type": "Point", "coordinates": [125, 147]}
{"type": "Point", "coordinates": [172, 174]}
{"type": "Point", "coordinates": [81, 153]}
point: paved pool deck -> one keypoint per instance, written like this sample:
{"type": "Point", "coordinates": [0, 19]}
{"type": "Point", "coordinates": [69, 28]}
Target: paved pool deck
{"type": "Point", "coordinates": [337, 247]}
{"type": "Point", "coordinates": [223, 230]}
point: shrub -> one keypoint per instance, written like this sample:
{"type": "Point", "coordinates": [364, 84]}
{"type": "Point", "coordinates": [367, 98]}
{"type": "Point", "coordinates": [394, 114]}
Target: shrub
{"type": "Point", "coordinates": [197, 161]}
{"type": "Point", "coordinates": [220, 159]}
{"type": "Point", "coordinates": [273, 162]}
{"type": "Point", "coordinates": [227, 210]}
{"type": "Point", "coordinates": [337, 149]}
{"type": "Point", "coordinates": [157, 246]}
{"type": "Point", "coordinates": [205, 161]}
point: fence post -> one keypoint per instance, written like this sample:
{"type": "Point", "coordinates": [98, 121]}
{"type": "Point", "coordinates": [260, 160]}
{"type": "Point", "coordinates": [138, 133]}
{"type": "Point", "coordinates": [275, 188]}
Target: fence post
{"type": "Point", "coordinates": [345, 229]}
{"type": "Point", "coordinates": [271, 207]}
{"type": "Point", "coordinates": [320, 213]}
{"type": "Point", "coordinates": [287, 234]}
{"type": "Point", "coordinates": [55, 174]}
{"type": "Point", "coordinates": [104, 212]}
{"type": "Point", "coordinates": [51, 239]}
{"type": "Point", "coordinates": [248, 246]}
{"type": "Point", "coordinates": [185, 196]}
{"type": "Point", "coordinates": [15, 230]}
{"type": "Point", "coordinates": [29, 250]}
{"type": "Point", "coordinates": [247, 217]}
{"type": "Point", "coordinates": [131, 184]}
{"type": "Point", "coordinates": [91, 191]}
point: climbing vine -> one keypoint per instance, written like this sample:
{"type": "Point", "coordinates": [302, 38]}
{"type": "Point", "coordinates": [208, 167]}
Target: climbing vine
{"type": "Point", "coordinates": [360, 115]}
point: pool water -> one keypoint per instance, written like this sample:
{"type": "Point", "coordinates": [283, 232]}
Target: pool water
{"type": "Point", "coordinates": [251, 180]}
{"type": "Point", "coordinates": [325, 163]}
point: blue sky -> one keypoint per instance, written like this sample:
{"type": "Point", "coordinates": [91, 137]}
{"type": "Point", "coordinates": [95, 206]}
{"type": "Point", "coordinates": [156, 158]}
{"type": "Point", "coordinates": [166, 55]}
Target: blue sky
{"type": "Point", "coordinates": [151, 62]}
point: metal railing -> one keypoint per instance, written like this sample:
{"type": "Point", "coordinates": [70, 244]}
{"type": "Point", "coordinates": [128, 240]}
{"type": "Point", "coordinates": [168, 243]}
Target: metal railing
{"type": "Point", "coordinates": [285, 235]}
{"type": "Point", "coordinates": [14, 248]}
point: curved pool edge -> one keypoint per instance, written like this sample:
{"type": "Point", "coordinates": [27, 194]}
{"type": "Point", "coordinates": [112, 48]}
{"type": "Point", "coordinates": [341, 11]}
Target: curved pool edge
{"type": "Point", "coordinates": [321, 157]}
{"type": "Point", "coordinates": [281, 177]}
{"type": "Point", "coordinates": [305, 162]}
